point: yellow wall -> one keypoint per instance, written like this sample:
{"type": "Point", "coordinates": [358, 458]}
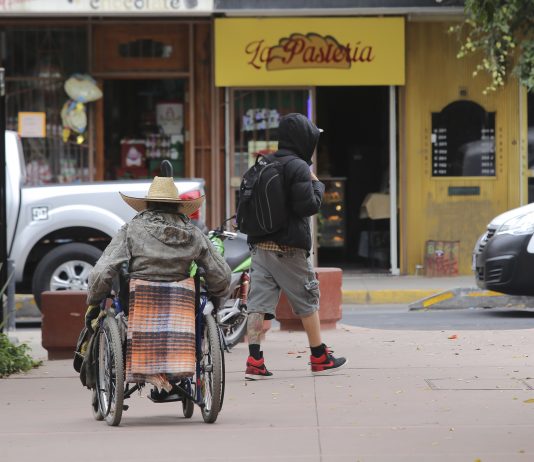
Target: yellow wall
{"type": "Point", "coordinates": [434, 78]}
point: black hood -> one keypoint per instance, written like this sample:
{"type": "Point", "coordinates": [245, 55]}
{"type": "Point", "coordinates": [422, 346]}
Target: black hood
{"type": "Point", "coordinates": [296, 133]}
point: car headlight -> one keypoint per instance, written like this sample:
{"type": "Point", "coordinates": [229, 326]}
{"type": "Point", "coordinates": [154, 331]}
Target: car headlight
{"type": "Point", "coordinates": [518, 226]}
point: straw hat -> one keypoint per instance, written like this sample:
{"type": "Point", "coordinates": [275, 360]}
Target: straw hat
{"type": "Point", "coordinates": [163, 189]}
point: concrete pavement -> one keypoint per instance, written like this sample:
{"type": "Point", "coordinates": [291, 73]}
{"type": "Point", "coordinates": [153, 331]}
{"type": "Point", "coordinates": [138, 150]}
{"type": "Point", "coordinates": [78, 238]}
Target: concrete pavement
{"type": "Point", "coordinates": [404, 396]}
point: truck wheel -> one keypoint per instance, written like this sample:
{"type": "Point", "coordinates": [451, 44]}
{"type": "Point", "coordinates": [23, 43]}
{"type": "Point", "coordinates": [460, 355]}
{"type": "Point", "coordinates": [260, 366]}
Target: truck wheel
{"type": "Point", "coordinates": [67, 267]}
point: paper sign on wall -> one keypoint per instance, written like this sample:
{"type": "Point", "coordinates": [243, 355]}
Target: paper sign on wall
{"type": "Point", "coordinates": [257, 148]}
{"type": "Point", "coordinates": [170, 117]}
{"type": "Point", "coordinates": [32, 124]}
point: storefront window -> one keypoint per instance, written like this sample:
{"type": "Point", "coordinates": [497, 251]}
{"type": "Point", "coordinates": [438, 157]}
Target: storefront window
{"type": "Point", "coordinates": [143, 125]}
{"type": "Point", "coordinates": [463, 141]}
{"type": "Point", "coordinates": [256, 117]}
{"type": "Point", "coordinates": [37, 61]}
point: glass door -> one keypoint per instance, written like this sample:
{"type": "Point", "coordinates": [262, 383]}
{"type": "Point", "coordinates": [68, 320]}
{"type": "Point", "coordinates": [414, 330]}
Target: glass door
{"type": "Point", "coordinates": [255, 115]}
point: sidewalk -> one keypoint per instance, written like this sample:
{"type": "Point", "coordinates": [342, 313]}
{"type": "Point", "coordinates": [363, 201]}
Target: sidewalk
{"type": "Point", "coordinates": [405, 396]}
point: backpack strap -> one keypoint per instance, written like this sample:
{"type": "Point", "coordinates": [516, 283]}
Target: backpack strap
{"type": "Point", "coordinates": [284, 161]}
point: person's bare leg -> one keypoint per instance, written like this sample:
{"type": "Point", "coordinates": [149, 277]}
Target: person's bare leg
{"type": "Point", "coordinates": [312, 326]}
{"type": "Point", "coordinates": [256, 369]}
{"type": "Point", "coordinates": [254, 327]}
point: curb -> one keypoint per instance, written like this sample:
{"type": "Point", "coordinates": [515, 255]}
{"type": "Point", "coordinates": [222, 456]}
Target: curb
{"type": "Point", "coordinates": [416, 298]}
{"type": "Point", "coordinates": [386, 297]}
{"type": "Point", "coordinates": [25, 308]}
{"type": "Point", "coordinates": [472, 298]}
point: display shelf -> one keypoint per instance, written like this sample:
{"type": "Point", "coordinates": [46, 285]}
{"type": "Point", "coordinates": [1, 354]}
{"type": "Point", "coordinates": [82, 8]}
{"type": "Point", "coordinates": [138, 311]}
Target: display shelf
{"type": "Point", "coordinates": [332, 219]}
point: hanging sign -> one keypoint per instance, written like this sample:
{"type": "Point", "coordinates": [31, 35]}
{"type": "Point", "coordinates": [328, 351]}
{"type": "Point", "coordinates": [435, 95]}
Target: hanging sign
{"type": "Point", "coordinates": [105, 6]}
{"type": "Point", "coordinates": [309, 51]}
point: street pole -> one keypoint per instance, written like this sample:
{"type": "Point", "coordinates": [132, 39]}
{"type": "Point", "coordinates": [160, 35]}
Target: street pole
{"type": "Point", "coordinates": [3, 202]}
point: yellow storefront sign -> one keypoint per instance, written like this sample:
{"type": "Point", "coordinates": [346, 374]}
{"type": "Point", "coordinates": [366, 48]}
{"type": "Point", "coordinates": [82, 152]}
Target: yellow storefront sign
{"type": "Point", "coordinates": [309, 51]}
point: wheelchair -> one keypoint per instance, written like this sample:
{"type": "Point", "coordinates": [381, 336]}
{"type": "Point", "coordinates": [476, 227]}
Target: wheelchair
{"type": "Point", "coordinates": [204, 389]}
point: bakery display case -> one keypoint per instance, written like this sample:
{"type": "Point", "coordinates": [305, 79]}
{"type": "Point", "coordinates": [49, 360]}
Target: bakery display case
{"type": "Point", "coordinates": [332, 216]}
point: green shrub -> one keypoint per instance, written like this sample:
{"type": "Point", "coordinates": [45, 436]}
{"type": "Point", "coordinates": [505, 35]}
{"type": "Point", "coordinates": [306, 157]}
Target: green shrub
{"type": "Point", "coordinates": [14, 358]}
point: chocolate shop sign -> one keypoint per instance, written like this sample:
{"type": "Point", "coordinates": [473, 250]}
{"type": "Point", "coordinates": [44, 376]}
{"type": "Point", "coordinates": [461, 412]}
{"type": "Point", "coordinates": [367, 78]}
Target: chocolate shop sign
{"type": "Point", "coordinates": [309, 51]}
{"type": "Point", "coordinates": [88, 7]}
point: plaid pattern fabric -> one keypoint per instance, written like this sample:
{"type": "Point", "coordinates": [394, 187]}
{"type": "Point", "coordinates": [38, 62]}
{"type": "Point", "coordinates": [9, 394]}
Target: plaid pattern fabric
{"type": "Point", "coordinates": [273, 246]}
{"type": "Point", "coordinates": [160, 342]}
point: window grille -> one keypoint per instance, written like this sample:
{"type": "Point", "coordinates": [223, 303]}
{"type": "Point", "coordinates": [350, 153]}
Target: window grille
{"type": "Point", "coordinates": [38, 60]}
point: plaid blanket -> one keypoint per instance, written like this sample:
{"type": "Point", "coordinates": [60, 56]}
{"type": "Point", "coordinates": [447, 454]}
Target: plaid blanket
{"type": "Point", "coordinates": [160, 346]}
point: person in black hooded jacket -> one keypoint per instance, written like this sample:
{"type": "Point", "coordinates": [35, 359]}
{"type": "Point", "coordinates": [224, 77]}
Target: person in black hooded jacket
{"type": "Point", "coordinates": [281, 260]}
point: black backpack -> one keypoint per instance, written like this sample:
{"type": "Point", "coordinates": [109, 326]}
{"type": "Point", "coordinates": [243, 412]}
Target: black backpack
{"type": "Point", "coordinates": [262, 208]}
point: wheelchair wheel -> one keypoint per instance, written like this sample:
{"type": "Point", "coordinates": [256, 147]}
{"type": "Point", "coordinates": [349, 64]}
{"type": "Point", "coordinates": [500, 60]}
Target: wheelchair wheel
{"type": "Point", "coordinates": [188, 406]}
{"type": "Point", "coordinates": [110, 372]}
{"type": "Point", "coordinates": [211, 371]}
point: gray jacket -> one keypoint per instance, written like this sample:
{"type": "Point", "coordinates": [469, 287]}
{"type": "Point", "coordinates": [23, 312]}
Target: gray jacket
{"type": "Point", "coordinates": [159, 246]}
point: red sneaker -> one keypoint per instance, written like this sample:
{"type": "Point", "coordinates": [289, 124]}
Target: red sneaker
{"type": "Point", "coordinates": [326, 363]}
{"type": "Point", "coordinates": [256, 369]}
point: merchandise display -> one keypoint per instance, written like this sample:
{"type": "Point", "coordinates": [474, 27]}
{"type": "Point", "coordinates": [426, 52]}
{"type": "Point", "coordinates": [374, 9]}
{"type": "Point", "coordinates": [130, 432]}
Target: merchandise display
{"type": "Point", "coordinates": [142, 156]}
{"type": "Point", "coordinates": [81, 89]}
{"type": "Point", "coordinates": [145, 155]}
{"type": "Point", "coordinates": [332, 220]}
{"type": "Point", "coordinates": [152, 128]}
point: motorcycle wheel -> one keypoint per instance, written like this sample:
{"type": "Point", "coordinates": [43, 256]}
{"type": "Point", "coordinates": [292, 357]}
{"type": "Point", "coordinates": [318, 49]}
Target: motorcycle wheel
{"type": "Point", "coordinates": [235, 332]}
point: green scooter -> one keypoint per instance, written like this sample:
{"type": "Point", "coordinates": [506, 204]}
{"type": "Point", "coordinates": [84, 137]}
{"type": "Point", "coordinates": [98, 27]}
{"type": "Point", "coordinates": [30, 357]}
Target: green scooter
{"type": "Point", "coordinates": [232, 312]}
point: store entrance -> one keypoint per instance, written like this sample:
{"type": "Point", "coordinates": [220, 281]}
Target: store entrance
{"type": "Point", "coordinates": [143, 125]}
{"type": "Point", "coordinates": [353, 162]}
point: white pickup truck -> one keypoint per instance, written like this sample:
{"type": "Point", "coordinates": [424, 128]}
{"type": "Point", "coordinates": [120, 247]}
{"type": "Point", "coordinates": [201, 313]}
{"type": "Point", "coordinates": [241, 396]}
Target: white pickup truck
{"type": "Point", "coordinates": [56, 233]}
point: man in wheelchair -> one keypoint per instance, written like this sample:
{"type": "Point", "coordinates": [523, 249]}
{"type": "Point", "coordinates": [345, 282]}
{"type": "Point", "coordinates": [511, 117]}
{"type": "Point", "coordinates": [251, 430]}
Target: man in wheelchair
{"type": "Point", "coordinates": [158, 247]}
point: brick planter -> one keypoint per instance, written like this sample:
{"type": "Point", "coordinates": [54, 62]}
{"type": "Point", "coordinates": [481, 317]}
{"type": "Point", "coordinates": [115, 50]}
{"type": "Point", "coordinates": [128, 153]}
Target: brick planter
{"type": "Point", "coordinates": [330, 281]}
{"type": "Point", "coordinates": [63, 318]}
